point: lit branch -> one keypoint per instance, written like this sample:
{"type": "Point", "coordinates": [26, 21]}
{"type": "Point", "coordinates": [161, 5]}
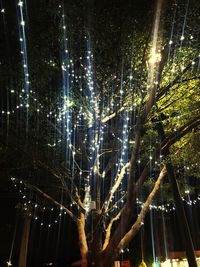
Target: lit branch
{"type": "Point", "coordinates": [117, 202]}
{"type": "Point", "coordinates": [115, 186]}
{"type": "Point", "coordinates": [109, 117]}
{"type": "Point", "coordinates": [53, 200]}
{"type": "Point", "coordinates": [139, 222]}
{"type": "Point", "coordinates": [109, 228]}
{"type": "Point", "coordinates": [74, 197]}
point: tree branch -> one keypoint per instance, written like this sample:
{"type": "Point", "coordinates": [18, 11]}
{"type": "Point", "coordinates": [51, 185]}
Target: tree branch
{"type": "Point", "coordinates": [74, 218]}
{"type": "Point", "coordinates": [109, 228]}
{"type": "Point", "coordinates": [137, 225]}
{"type": "Point", "coordinates": [115, 186]}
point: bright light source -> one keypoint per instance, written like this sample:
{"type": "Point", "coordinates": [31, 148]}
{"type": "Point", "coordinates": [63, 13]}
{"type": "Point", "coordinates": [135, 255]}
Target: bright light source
{"type": "Point", "coordinates": [20, 3]}
{"type": "Point", "coordinates": [154, 57]}
{"type": "Point", "coordinates": [177, 262]}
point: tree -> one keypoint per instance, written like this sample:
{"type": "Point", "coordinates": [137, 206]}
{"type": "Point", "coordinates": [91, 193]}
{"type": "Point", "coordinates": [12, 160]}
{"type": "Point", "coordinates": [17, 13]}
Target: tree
{"type": "Point", "coordinates": [94, 134]}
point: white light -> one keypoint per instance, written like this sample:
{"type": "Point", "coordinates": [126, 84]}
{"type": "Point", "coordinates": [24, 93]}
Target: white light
{"type": "Point", "coordinates": [154, 57]}
{"type": "Point", "coordinates": [22, 23]}
{"type": "Point", "coordinates": [182, 38]}
{"type": "Point", "coordinates": [20, 3]}
{"type": "Point", "coordinates": [3, 10]}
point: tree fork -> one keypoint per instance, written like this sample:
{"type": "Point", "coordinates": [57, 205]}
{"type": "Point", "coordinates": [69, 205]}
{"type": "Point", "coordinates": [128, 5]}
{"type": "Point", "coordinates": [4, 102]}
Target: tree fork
{"type": "Point", "coordinates": [182, 220]}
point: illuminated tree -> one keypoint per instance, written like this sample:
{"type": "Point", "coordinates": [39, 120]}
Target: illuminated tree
{"type": "Point", "coordinates": [92, 128]}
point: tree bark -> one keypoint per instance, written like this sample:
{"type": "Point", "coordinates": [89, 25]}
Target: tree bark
{"type": "Point", "coordinates": [140, 219]}
{"type": "Point", "coordinates": [24, 242]}
{"type": "Point", "coordinates": [82, 240]}
{"type": "Point", "coordinates": [183, 223]}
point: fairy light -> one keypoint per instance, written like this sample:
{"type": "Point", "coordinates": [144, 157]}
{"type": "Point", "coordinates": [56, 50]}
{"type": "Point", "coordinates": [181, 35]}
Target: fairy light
{"type": "Point", "coordinates": [20, 3]}
{"type": "Point", "coordinates": [23, 46]}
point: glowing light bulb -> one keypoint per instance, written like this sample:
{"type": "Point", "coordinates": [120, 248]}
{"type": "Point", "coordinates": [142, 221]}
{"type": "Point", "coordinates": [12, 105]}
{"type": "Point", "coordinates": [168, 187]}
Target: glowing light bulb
{"type": "Point", "coordinates": [154, 57]}
{"type": "Point", "coordinates": [20, 3]}
{"type": "Point", "coordinates": [22, 23]}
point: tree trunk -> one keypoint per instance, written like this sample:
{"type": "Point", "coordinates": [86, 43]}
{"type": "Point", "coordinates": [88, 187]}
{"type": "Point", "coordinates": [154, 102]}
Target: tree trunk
{"type": "Point", "coordinates": [183, 223]}
{"type": "Point", "coordinates": [95, 238]}
{"type": "Point", "coordinates": [24, 242]}
{"type": "Point", "coordinates": [82, 240]}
